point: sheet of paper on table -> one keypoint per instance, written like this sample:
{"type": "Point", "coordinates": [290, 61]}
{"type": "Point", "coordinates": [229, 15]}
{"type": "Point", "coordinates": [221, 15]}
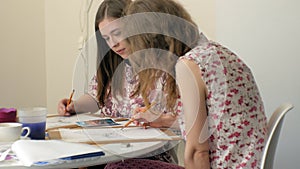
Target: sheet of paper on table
{"type": "Point", "coordinates": [112, 135]}
{"type": "Point", "coordinates": [60, 121]}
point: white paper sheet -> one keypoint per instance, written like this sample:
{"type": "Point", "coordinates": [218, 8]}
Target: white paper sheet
{"type": "Point", "coordinates": [32, 151]}
{"type": "Point", "coordinates": [59, 121]}
{"type": "Point", "coordinates": [111, 134]}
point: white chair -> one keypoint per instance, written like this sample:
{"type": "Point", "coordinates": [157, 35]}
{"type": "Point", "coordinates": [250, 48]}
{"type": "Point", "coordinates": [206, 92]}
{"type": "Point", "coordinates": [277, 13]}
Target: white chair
{"type": "Point", "coordinates": [274, 127]}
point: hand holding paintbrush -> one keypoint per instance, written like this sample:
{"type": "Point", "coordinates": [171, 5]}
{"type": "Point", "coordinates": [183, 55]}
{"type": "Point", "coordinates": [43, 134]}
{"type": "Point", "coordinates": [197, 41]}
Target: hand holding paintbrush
{"type": "Point", "coordinates": [140, 110]}
{"type": "Point", "coordinates": [64, 106]}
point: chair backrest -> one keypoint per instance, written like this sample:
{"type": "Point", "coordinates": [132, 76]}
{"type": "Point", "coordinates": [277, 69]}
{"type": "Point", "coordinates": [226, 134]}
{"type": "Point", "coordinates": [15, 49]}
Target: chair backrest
{"type": "Point", "coordinates": [274, 127]}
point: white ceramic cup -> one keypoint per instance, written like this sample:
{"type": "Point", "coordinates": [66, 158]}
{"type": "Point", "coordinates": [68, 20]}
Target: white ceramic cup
{"type": "Point", "coordinates": [10, 132]}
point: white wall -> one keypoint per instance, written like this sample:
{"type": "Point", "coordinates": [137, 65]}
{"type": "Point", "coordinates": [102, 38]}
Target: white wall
{"type": "Point", "coordinates": [62, 31]}
{"type": "Point", "coordinates": [22, 53]}
{"type": "Point", "coordinates": [266, 35]}
{"type": "Point", "coordinates": [203, 13]}
{"type": "Point", "coordinates": [65, 25]}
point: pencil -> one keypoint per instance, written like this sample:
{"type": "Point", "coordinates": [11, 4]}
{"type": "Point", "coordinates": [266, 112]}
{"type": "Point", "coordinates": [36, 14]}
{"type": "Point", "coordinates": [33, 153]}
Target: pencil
{"type": "Point", "coordinates": [70, 99]}
{"type": "Point", "coordinates": [142, 111]}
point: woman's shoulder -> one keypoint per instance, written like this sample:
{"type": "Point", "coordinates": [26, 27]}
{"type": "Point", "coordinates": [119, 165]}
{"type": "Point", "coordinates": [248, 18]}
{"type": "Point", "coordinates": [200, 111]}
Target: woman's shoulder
{"type": "Point", "coordinates": [199, 54]}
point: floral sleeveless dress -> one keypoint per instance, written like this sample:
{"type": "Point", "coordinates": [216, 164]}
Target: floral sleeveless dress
{"type": "Point", "coordinates": [236, 118]}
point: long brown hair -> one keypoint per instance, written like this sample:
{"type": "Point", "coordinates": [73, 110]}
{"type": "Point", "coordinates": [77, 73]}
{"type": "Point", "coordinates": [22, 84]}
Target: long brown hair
{"type": "Point", "coordinates": [107, 60]}
{"type": "Point", "coordinates": [177, 37]}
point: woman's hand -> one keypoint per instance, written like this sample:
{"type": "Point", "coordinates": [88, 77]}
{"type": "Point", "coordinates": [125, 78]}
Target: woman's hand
{"type": "Point", "coordinates": [150, 117]}
{"type": "Point", "coordinates": [146, 117]}
{"type": "Point", "coordinates": [64, 109]}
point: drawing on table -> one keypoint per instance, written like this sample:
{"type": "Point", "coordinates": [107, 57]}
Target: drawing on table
{"type": "Point", "coordinates": [111, 134]}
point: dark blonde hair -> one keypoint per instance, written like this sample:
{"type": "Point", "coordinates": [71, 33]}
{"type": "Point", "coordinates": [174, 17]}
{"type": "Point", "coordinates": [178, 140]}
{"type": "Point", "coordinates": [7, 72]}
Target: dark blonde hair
{"type": "Point", "coordinates": [177, 38]}
{"type": "Point", "coordinates": [107, 60]}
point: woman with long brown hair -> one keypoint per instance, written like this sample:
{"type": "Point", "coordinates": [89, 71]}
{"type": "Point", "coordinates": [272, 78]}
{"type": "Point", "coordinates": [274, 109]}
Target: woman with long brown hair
{"type": "Point", "coordinates": [112, 48]}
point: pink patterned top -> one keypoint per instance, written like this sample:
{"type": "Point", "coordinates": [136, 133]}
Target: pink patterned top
{"type": "Point", "coordinates": [237, 122]}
